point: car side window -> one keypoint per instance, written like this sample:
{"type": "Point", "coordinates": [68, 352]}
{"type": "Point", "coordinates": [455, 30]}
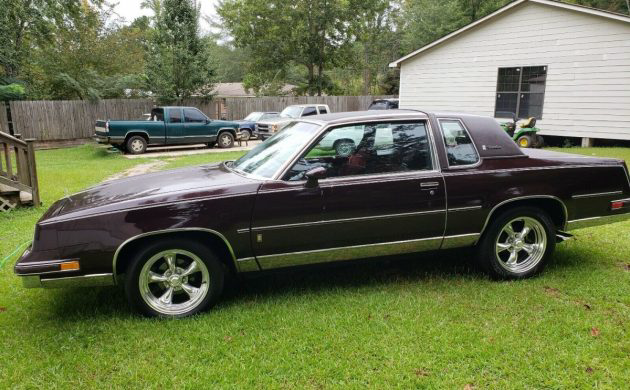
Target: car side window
{"type": "Point", "coordinates": [365, 149]}
{"type": "Point", "coordinates": [175, 115]}
{"type": "Point", "coordinates": [194, 116]}
{"type": "Point", "coordinates": [322, 110]}
{"type": "Point", "coordinates": [460, 150]}
{"type": "Point", "coordinates": [308, 111]}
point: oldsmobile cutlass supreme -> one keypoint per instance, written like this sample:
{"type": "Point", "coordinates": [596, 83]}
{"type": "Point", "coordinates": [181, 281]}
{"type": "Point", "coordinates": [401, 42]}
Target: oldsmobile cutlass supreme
{"type": "Point", "coordinates": [327, 188]}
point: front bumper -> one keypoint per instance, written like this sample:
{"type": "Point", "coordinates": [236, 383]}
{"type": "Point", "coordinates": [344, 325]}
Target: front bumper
{"type": "Point", "coordinates": [50, 274]}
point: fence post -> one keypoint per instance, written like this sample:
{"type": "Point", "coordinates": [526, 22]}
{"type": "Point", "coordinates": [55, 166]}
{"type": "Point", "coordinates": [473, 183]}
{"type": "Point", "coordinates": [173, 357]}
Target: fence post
{"type": "Point", "coordinates": [32, 170]}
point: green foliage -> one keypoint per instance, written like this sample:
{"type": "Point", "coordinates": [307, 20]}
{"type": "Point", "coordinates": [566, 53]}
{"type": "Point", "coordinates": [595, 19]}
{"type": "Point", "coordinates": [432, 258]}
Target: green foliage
{"type": "Point", "coordinates": [178, 63]}
{"type": "Point", "coordinates": [12, 92]}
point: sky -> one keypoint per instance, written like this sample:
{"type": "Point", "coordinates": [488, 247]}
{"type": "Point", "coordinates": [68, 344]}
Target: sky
{"type": "Point", "coordinates": [130, 9]}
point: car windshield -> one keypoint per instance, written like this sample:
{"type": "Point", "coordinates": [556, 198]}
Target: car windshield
{"type": "Point", "coordinates": [254, 116]}
{"type": "Point", "coordinates": [266, 158]}
{"type": "Point", "coordinates": [291, 112]}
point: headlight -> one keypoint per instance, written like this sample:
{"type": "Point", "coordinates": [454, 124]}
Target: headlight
{"type": "Point", "coordinates": [274, 128]}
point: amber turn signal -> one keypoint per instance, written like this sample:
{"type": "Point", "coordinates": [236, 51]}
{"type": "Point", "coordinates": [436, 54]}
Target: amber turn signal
{"type": "Point", "coordinates": [616, 205]}
{"type": "Point", "coordinates": [70, 266]}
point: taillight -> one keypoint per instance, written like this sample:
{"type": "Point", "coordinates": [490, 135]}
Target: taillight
{"type": "Point", "coordinates": [107, 126]}
{"type": "Point", "coordinates": [617, 204]}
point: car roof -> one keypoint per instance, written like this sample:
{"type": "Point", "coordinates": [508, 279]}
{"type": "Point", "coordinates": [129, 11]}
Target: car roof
{"type": "Point", "coordinates": [369, 115]}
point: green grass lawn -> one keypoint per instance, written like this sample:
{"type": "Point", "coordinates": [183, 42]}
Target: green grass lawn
{"type": "Point", "coordinates": [428, 321]}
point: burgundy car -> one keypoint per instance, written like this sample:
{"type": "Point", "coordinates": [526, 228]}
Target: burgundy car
{"type": "Point", "coordinates": [327, 188]}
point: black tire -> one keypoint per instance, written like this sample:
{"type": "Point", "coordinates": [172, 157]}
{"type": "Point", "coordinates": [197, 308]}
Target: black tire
{"type": "Point", "coordinates": [524, 141]}
{"type": "Point", "coordinates": [496, 260]}
{"type": "Point", "coordinates": [136, 144]}
{"type": "Point", "coordinates": [246, 134]}
{"type": "Point", "coordinates": [225, 140]}
{"type": "Point", "coordinates": [215, 277]}
{"type": "Point", "coordinates": [540, 141]}
{"type": "Point", "coordinates": [212, 144]}
{"type": "Point", "coordinates": [344, 147]}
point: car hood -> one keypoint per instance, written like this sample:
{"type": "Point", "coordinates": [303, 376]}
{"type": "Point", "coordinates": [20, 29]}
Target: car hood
{"type": "Point", "coordinates": [276, 120]}
{"type": "Point", "coordinates": [153, 189]}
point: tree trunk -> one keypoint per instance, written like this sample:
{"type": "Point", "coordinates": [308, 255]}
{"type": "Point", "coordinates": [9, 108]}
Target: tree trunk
{"type": "Point", "coordinates": [311, 77]}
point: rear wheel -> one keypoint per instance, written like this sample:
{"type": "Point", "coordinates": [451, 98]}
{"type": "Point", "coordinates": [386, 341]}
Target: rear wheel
{"type": "Point", "coordinates": [174, 278]}
{"type": "Point", "coordinates": [517, 244]}
{"type": "Point", "coordinates": [136, 144]}
{"type": "Point", "coordinates": [524, 141]}
{"type": "Point", "coordinates": [226, 140]}
{"type": "Point", "coordinates": [246, 134]}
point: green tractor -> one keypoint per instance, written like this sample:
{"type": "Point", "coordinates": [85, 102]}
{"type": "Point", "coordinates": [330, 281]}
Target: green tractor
{"type": "Point", "coordinates": [524, 133]}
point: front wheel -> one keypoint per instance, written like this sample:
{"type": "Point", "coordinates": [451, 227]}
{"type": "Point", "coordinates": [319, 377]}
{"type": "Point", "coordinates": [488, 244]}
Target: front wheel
{"type": "Point", "coordinates": [517, 244]}
{"type": "Point", "coordinates": [226, 140]}
{"type": "Point", "coordinates": [246, 134]}
{"type": "Point", "coordinates": [174, 278]}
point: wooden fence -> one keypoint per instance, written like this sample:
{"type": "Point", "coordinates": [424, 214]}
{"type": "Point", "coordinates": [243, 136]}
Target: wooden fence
{"type": "Point", "coordinates": [4, 122]}
{"type": "Point", "coordinates": [74, 119]}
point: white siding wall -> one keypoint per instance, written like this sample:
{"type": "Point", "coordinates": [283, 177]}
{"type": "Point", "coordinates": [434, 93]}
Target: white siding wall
{"type": "Point", "coordinates": [588, 75]}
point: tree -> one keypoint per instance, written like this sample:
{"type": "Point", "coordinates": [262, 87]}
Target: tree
{"type": "Point", "coordinates": [178, 64]}
{"type": "Point", "coordinates": [278, 33]}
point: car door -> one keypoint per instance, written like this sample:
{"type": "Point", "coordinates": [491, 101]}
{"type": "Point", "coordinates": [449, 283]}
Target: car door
{"type": "Point", "coordinates": [197, 126]}
{"type": "Point", "coordinates": [383, 195]}
{"type": "Point", "coordinates": [175, 126]}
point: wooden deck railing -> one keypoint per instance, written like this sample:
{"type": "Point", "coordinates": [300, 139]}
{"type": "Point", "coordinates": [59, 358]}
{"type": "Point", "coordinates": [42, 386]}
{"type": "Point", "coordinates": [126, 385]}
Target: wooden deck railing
{"type": "Point", "coordinates": [17, 165]}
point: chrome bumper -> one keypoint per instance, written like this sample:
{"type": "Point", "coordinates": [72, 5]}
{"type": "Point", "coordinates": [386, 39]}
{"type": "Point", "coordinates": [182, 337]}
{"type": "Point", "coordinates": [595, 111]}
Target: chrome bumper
{"type": "Point", "coordinates": [597, 221]}
{"type": "Point", "coordinates": [40, 281]}
{"type": "Point", "coordinates": [101, 139]}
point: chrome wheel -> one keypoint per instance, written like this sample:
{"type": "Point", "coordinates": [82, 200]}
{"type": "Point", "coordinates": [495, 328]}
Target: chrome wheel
{"type": "Point", "coordinates": [137, 145]}
{"type": "Point", "coordinates": [521, 244]}
{"type": "Point", "coordinates": [174, 282]}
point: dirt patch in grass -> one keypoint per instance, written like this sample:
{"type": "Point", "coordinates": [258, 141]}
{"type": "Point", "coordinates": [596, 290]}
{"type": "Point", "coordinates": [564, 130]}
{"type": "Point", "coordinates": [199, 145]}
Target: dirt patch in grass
{"type": "Point", "coordinates": [140, 169]}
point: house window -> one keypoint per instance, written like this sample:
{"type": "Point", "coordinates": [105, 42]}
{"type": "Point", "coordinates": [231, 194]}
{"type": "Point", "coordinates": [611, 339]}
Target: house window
{"type": "Point", "coordinates": [521, 92]}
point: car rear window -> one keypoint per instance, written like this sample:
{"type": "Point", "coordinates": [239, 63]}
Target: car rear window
{"type": "Point", "coordinates": [460, 150]}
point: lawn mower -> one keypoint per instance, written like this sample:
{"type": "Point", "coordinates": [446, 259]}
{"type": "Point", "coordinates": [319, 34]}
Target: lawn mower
{"type": "Point", "coordinates": [524, 132]}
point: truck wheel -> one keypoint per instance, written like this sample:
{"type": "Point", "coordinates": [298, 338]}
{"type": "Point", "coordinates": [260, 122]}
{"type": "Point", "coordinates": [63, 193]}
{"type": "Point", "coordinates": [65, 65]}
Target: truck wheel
{"type": "Point", "coordinates": [517, 244]}
{"type": "Point", "coordinates": [136, 144]}
{"type": "Point", "coordinates": [246, 134]}
{"type": "Point", "coordinates": [226, 140]}
{"type": "Point", "coordinates": [524, 141]}
{"type": "Point", "coordinates": [174, 278]}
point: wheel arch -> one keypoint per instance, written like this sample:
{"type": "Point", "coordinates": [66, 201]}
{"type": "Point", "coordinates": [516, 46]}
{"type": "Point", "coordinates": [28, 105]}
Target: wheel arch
{"type": "Point", "coordinates": [554, 206]}
{"type": "Point", "coordinates": [230, 129]}
{"type": "Point", "coordinates": [215, 240]}
{"type": "Point", "coordinates": [141, 133]}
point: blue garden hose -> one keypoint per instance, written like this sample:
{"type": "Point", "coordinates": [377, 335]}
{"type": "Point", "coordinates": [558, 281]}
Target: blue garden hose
{"type": "Point", "coordinates": [12, 254]}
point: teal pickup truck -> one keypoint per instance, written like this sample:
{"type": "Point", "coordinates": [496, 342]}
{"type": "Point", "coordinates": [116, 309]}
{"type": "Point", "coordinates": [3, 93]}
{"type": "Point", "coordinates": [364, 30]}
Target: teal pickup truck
{"type": "Point", "coordinates": [167, 126]}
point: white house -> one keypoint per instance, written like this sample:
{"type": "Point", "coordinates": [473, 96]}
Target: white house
{"type": "Point", "coordinates": [567, 65]}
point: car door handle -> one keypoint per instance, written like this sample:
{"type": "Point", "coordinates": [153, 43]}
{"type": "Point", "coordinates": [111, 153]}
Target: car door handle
{"type": "Point", "coordinates": [429, 185]}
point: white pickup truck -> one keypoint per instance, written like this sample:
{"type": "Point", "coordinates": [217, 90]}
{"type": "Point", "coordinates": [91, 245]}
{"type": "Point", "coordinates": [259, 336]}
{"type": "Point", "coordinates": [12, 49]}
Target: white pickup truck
{"type": "Point", "coordinates": [269, 127]}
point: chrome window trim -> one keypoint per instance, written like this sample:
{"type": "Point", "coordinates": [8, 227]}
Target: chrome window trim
{"type": "Point", "coordinates": [344, 220]}
{"type": "Point", "coordinates": [472, 141]}
{"type": "Point", "coordinates": [596, 194]}
{"type": "Point", "coordinates": [354, 120]}
{"type": "Point", "coordinates": [491, 171]}
{"type": "Point", "coordinates": [564, 207]}
{"type": "Point", "coordinates": [167, 231]}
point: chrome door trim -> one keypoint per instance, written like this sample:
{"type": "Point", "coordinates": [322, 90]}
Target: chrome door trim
{"type": "Point", "coordinates": [467, 208]}
{"type": "Point", "coordinates": [597, 221]}
{"type": "Point", "coordinates": [93, 280]}
{"type": "Point", "coordinates": [348, 253]}
{"type": "Point", "coordinates": [564, 207]}
{"type": "Point", "coordinates": [342, 220]}
{"type": "Point", "coordinates": [596, 194]}
{"type": "Point", "coordinates": [460, 240]}
{"type": "Point", "coordinates": [166, 231]}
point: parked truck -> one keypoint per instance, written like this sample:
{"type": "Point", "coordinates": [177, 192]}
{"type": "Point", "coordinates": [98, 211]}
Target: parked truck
{"type": "Point", "coordinates": [267, 128]}
{"type": "Point", "coordinates": [167, 126]}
